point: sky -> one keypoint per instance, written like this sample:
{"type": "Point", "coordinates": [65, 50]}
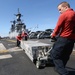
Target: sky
{"type": "Point", "coordinates": [43, 13]}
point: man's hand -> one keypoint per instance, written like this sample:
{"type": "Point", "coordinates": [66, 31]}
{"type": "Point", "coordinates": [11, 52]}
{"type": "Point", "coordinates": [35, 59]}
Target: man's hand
{"type": "Point", "coordinates": [53, 39]}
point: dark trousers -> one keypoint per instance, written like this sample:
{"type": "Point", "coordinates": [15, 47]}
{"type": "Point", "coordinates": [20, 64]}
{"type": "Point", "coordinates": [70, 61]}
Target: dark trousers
{"type": "Point", "coordinates": [25, 38]}
{"type": "Point", "coordinates": [18, 43]}
{"type": "Point", "coordinates": [60, 53]}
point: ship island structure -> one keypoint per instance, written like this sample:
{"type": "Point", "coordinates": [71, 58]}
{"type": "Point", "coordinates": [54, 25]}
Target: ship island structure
{"type": "Point", "coordinates": [17, 26]}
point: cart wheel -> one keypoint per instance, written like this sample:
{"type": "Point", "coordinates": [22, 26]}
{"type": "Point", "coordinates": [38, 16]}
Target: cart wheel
{"type": "Point", "coordinates": [38, 64]}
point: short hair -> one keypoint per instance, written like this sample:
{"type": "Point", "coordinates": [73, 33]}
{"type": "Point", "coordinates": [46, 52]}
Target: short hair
{"type": "Point", "coordinates": [64, 3]}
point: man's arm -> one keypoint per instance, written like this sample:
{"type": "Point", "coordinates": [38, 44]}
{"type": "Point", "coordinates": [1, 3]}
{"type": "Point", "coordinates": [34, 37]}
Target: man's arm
{"type": "Point", "coordinates": [59, 26]}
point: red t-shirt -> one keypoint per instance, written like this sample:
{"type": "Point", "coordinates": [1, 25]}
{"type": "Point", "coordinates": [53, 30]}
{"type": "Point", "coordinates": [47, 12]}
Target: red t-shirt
{"type": "Point", "coordinates": [19, 38]}
{"type": "Point", "coordinates": [66, 25]}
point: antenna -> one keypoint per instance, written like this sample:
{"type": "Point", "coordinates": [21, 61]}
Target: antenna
{"type": "Point", "coordinates": [18, 11]}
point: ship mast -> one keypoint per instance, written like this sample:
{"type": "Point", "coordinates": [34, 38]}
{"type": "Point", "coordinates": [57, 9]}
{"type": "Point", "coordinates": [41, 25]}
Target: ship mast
{"type": "Point", "coordinates": [18, 16]}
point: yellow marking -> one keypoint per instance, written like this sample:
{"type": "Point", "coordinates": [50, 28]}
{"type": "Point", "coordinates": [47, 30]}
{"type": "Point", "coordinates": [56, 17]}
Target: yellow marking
{"type": "Point", "coordinates": [4, 51]}
{"type": "Point", "coordinates": [12, 40]}
{"type": "Point", "coordinates": [14, 49]}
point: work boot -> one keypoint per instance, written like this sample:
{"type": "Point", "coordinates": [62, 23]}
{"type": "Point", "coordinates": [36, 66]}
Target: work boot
{"type": "Point", "coordinates": [67, 73]}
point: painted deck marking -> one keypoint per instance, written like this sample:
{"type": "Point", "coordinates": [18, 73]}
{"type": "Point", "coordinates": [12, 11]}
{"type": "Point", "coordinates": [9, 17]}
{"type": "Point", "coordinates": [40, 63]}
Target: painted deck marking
{"type": "Point", "coordinates": [5, 56]}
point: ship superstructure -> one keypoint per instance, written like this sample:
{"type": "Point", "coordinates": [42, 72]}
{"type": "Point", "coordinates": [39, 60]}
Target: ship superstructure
{"type": "Point", "coordinates": [17, 26]}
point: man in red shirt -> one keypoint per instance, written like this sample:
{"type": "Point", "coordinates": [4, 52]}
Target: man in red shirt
{"type": "Point", "coordinates": [63, 47]}
{"type": "Point", "coordinates": [19, 38]}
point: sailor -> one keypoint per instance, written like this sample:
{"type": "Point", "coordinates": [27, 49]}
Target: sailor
{"type": "Point", "coordinates": [19, 38]}
{"type": "Point", "coordinates": [63, 47]}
